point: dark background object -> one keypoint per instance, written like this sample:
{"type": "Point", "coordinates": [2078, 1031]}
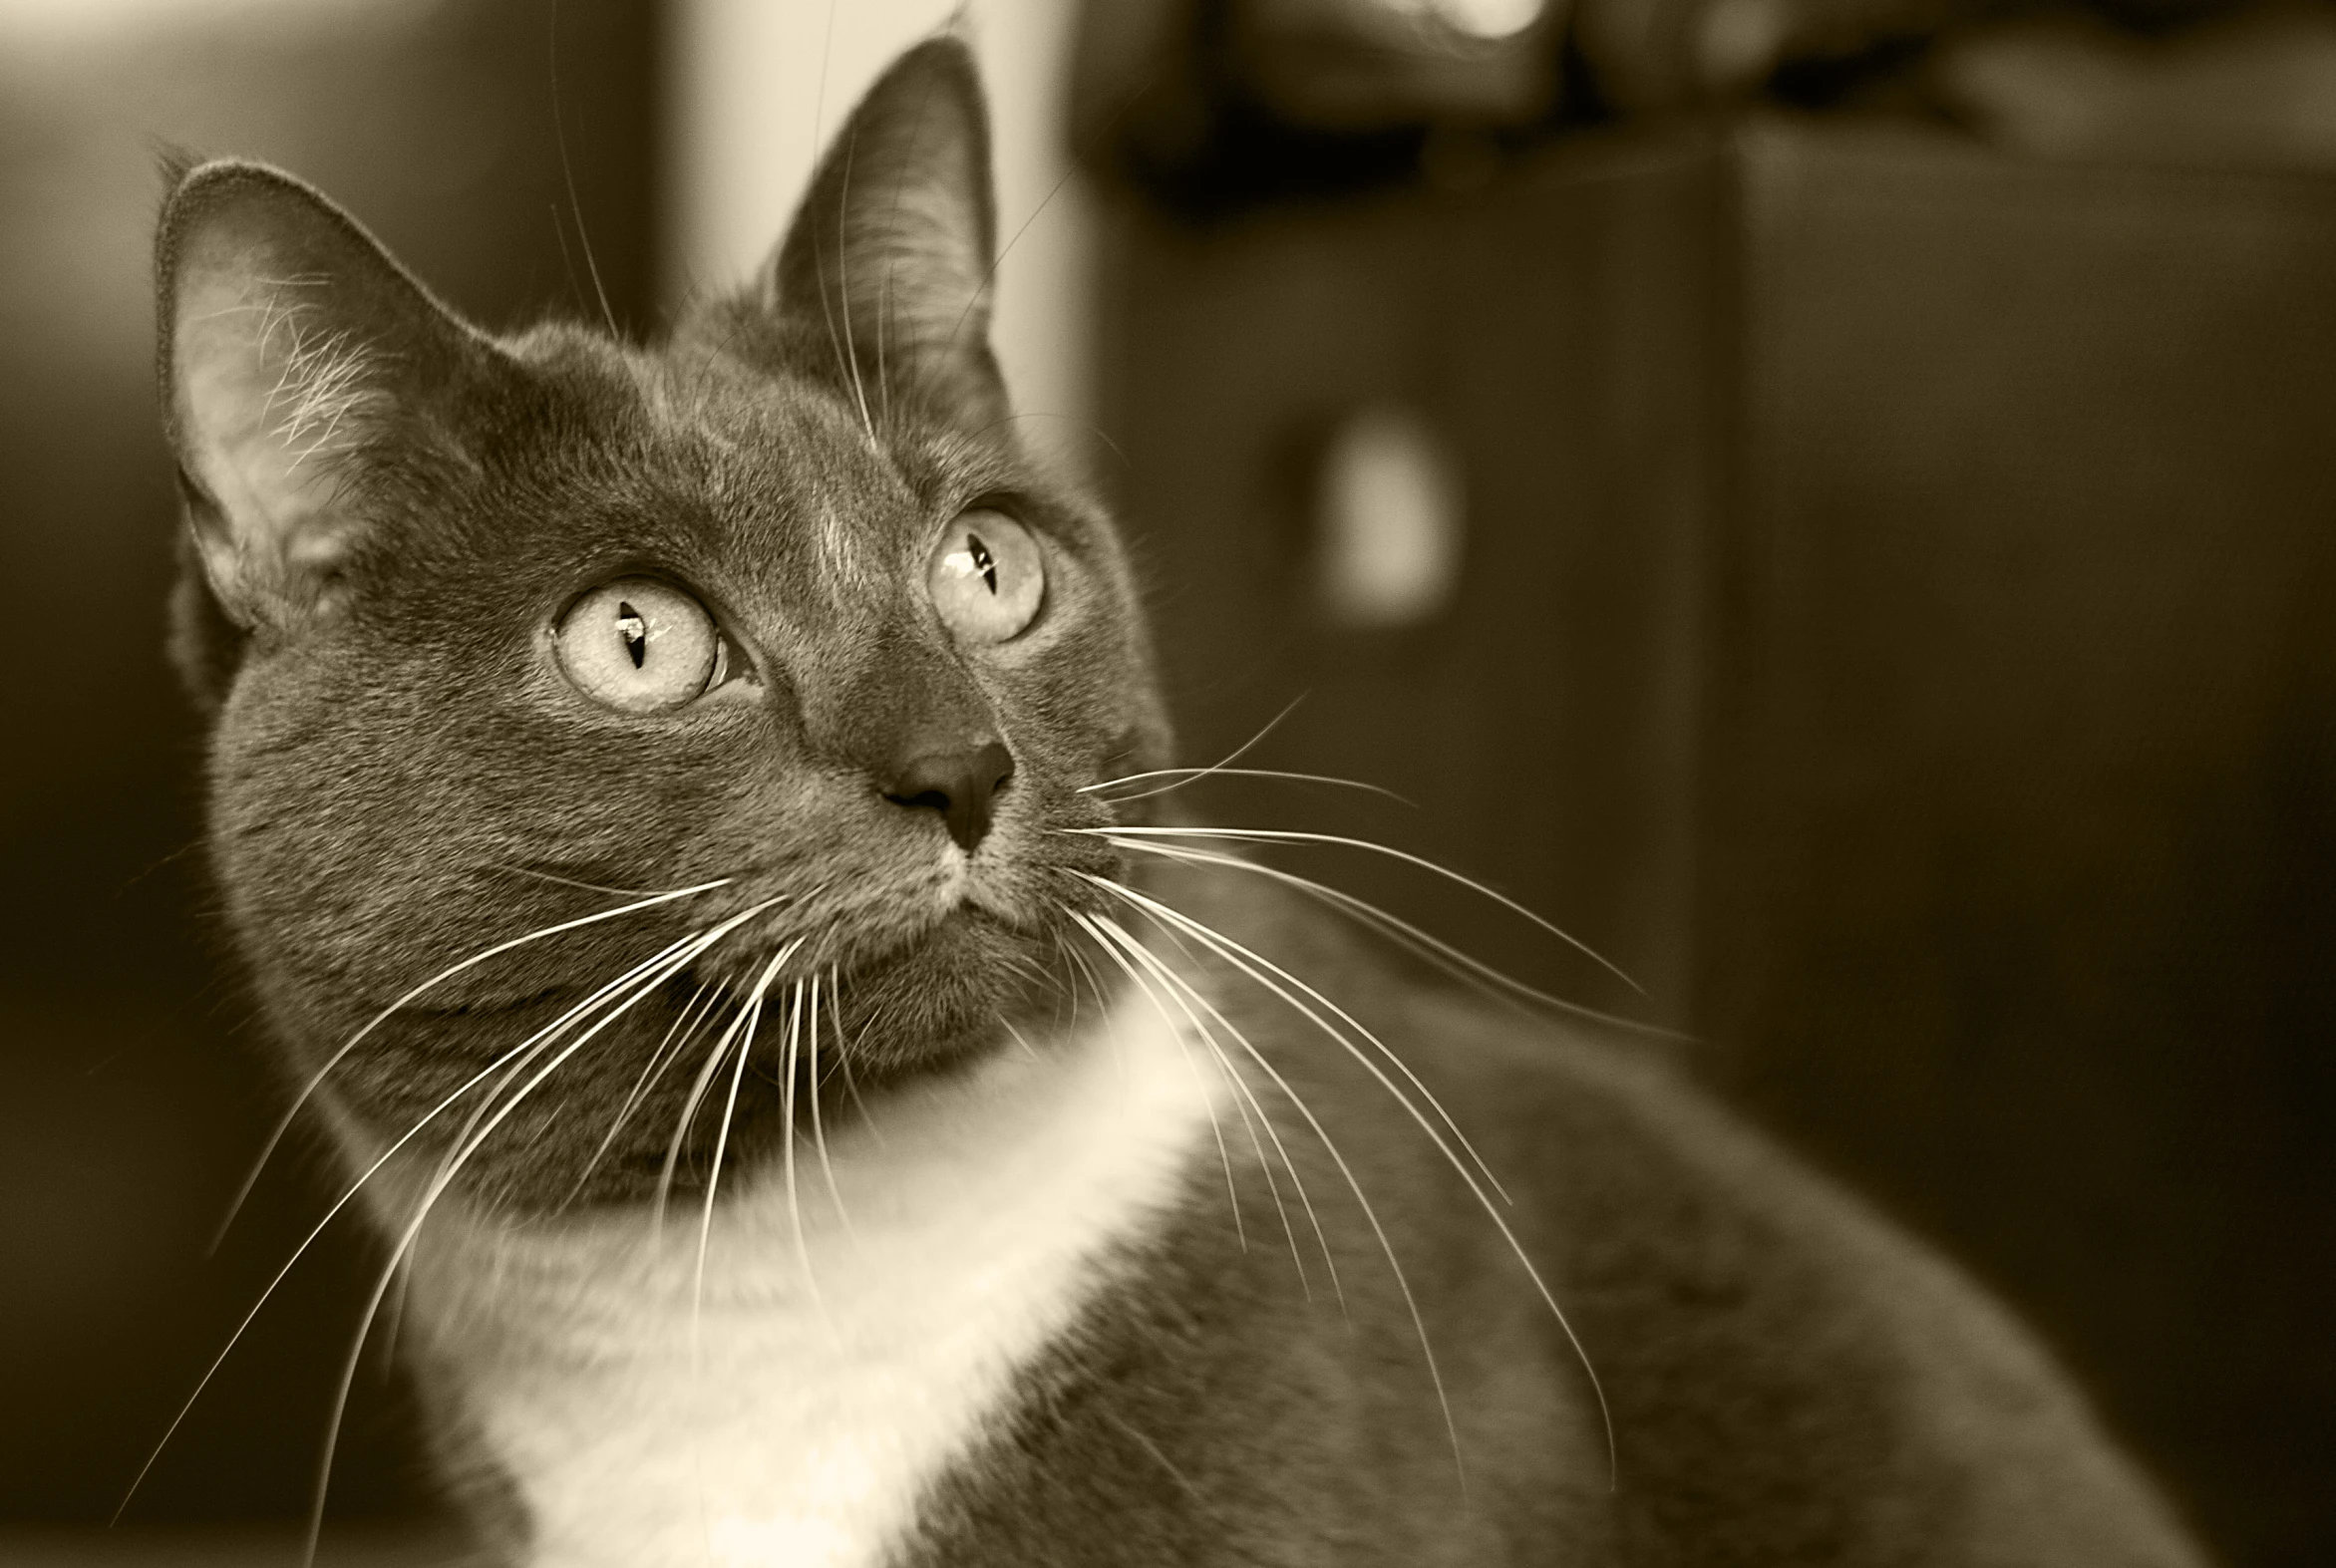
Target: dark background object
{"type": "Point", "coordinates": [134, 1096]}
{"type": "Point", "coordinates": [1214, 107]}
{"type": "Point", "coordinates": [1893, 627]}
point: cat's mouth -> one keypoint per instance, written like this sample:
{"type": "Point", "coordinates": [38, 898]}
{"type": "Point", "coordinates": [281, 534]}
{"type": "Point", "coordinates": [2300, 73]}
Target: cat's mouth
{"type": "Point", "coordinates": [912, 973]}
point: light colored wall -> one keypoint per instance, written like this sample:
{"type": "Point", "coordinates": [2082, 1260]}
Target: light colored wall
{"type": "Point", "coordinates": [758, 87]}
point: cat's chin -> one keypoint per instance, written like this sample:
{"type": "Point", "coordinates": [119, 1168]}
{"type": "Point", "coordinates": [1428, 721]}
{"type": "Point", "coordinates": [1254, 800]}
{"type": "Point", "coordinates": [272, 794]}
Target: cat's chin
{"type": "Point", "coordinates": [958, 988]}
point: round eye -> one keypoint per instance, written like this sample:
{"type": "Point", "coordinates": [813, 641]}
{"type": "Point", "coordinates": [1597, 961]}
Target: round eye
{"type": "Point", "coordinates": [640, 646]}
{"type": "Point", "coordinates": [986, 576]}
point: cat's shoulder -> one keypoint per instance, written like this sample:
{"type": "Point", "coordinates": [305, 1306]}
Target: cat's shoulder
{"type": "Point", "coordinates": [1701, 1257]}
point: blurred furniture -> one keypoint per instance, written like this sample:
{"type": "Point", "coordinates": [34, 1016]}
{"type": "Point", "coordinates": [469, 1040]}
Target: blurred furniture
{"type": "Point", "coordinates": [1893, 624]}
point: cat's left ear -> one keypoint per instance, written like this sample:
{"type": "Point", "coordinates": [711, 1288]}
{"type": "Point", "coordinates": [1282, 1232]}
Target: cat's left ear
{"type": "Point", "coordinates": [885, 272]}
{"type": "Point", "coordinates": [294, 352]}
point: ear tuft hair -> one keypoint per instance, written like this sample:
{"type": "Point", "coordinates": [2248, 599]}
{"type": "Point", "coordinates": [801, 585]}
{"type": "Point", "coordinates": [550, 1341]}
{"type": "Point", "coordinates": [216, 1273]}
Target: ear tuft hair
{"type": "Point", "coordinates": [291, 341]}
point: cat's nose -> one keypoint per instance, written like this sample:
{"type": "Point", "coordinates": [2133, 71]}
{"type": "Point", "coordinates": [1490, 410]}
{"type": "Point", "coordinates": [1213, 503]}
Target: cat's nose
{"type": "Point", "coordinates": [960, 785]}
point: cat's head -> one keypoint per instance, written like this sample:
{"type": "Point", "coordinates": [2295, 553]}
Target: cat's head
{"type": "Point", "coordinates": [779, 605]}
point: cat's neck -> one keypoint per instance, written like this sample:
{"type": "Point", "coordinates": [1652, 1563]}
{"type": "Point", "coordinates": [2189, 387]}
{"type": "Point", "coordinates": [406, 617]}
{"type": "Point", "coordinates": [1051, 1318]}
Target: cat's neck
{"type": "Point", "coordinates": [842, 1342]}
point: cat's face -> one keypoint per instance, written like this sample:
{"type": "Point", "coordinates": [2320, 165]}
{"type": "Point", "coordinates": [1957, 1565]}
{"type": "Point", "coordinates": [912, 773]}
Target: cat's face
{"type": "Point", "coordinates": [779, 607]}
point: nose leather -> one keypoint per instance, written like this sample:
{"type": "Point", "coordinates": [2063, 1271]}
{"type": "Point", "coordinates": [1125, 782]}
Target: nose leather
{"type": "Point", "coordinates": [961, 784]}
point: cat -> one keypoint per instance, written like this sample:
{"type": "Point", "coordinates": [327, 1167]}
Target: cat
{"type": "Point", "coordinates": [702, 826]}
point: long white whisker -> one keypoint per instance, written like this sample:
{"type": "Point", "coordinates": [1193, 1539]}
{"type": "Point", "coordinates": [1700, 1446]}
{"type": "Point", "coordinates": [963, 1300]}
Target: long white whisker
{"type": "Point", "coordinates": [843, 1063]}
{"type": "Point", "coordinates": [1178, 984]}
{"type": "Point", "coordinates": [1093, 983]}
{"type": "Point", "coordinates": [444, 1179]}
{"type": "Point", "coordinates": [1450, 958]}
{"type": "Point", "coordinates": [523, 1049]}
{"type": "Point", "coordinates": [1246, 746]}
{"type": "Point", "coordinates": [1014, 1035]}
{"type": "Point", "coordinates": [1291, 835]}
{"type": "Point", "coordinates": [819, 1129]}
{"type": "Point", "coordinates": [844, 281]}
{"type": "Point", "coordinates": [741, 1020]}
{"type": "Point", "coordinates": [1352, 1023]}
{"type": "Point", "coordinates": [746, 1047]}
{"type": "Point", "coordinates": [803, 1251]}
{"type": "Point", "coordinates": [316, 1079]}
{"type": "Point", "coordinates": [1224, 1157]}
{"type": "Point", "coordinates": [1188, 776]}
{"type": "Point", "coordinates": [1386, 1246]}
{"type": "Point", "coordinates": [990, 277]}
{"type": "Point", "coordinates": [544, 1040]}
{"type": "Point", "coordinates": [397, 1321]}
{"type": "Point", "coordinates": [569, 881]}
{"type": "Point", "coordinates": [668, 1051]}
{"type": "Point", "coordinates": [1246, 1100]}
{"type": "Point", "coordinates": [1253, 1114]}
{"type": "Point", "coordinates": [1262, 970]}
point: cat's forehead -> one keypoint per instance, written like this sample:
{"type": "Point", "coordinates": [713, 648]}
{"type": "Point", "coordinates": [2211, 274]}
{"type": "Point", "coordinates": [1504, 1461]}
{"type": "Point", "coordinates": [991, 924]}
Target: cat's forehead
{"type": "Point", "coordinates": [769, 474]}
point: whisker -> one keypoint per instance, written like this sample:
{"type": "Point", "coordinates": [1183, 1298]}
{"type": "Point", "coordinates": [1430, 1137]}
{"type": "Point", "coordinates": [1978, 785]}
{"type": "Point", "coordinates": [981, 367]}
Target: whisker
{"type": "Point", "coordinates": [1291, 835]}
{"type": "Point", "coordinates": [1153, 1449]}
{"type": "Point", "coordinates": [844, 1051]}
{"type": "Point", "coordinates": [668, 1051]}
{"type": "Point", "coordinates": [1093, 983]}
{"type": "Point", "coordinates": [1386, 1246]}
{"type": "Point", "coordinates": [316, 1079]}
{"type": "Point", "coordinates": [842, 228]}
{"type": "Point", "coordinates": [803, 1252]}
{"type": "Point", "coordinates": [1244, 750]}
{"type": "Point", "coordinates": [1257, 968]}
{"type": "Point", "coordinates": [350, 1193]}
{"type": "Point", "coordinates": [560, 133]}
{"type": "Point", "coordinates": [545, 1041]}
{"type": "Point", "coordinates": [397, 1321]}
{"type": "Point", "coordinates": [568, 881]}
{"type": "Point", "coordinates": [1182, 989]}
{"type": "Point", "coordinates": [754, 1018]}
{"type": "Point", "coordinates": [990, 277]}
{"type": "Point", "coordinates": [1246, 1100]}
{"type": "Point", "coordinates": [819, 1130]}
{"type": "Point", "coordinates": [1232, 1191]}
{"type": "Point", "coordinates": [689, 1114]}
{"type": "Point", "coordinates": [1245, 1103]}
{"type": "Point", "coordinates": [1212, 937]}
{"type": "Point", "coordinates": [1195, 775]}
{"type": "Point", "coordinates": [445, 1179]}
{"type": "Point", "coordinates": [1028, 1049]}
{"type": "Point", "coordinates": [843, 279]}
{"type": "Point", "coordinates": [1446, 957]}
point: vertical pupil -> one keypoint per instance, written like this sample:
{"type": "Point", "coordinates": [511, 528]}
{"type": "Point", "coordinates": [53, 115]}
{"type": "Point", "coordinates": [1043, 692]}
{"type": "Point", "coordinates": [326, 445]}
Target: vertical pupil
{"type": "Point", "coordinates": [983, 561]}
{"type": "Point", "coordinates": [635, 632]}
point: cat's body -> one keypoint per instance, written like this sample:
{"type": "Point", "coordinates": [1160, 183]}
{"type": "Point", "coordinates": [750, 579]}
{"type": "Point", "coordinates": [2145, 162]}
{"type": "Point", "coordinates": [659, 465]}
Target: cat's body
{"type": "Point", "coordinates": [692, 815]}
{"type": "Point", "coordinates": [1043, 1337]}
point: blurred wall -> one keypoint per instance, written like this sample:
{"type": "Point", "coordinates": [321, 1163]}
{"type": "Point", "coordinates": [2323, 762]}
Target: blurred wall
{"type": "Point", "coordinates": [755, 87]}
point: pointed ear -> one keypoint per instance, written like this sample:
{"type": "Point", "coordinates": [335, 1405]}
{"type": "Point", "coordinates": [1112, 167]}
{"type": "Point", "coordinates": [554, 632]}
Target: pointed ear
{"type": "Point", "coordinates": [293, 349]}
{"type": "Point", "coordinates": [886, 267]}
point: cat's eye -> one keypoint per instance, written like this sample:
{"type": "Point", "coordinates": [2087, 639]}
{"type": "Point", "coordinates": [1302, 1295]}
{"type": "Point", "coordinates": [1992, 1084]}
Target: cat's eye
{"type": "Point", "coordinates": [641, 646]}
{"type": "Point", "coordinates": [987, 576]}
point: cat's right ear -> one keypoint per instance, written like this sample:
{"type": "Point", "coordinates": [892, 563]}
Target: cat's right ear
{"type": "Point", "coordinates": [294, 353]}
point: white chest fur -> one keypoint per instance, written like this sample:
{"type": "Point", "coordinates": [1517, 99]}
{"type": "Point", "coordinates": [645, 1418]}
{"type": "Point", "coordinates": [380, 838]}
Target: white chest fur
{"type": "Point", "coordinates": [792, 1409]}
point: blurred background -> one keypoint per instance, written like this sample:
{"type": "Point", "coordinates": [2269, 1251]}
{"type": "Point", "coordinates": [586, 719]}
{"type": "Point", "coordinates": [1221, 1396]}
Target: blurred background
{"type": "Point", "coordinates": [1831, 501]}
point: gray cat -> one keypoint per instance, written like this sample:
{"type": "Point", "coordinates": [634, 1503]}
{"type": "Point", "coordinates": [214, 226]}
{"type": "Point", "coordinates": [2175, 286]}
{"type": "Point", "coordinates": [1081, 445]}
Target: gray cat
{"type": "Point", "coordinates": [696, 818]}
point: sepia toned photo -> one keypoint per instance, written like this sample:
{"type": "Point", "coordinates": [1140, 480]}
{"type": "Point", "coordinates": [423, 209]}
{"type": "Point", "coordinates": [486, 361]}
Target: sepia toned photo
{"type": "Point", "coordinates": [1445, 784]}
